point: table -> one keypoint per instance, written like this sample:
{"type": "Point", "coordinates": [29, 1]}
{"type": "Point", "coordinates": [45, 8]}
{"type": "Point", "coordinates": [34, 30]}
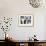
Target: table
{"type": "Point", "coordinates": [26, 42]}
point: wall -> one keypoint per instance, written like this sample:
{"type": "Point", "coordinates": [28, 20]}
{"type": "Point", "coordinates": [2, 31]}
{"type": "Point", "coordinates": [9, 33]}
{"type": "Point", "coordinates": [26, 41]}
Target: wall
{"type": "Point", "coordinates": [13, 8]}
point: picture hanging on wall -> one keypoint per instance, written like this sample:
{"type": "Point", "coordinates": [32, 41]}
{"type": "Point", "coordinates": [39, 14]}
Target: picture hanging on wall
{"type": "Point", "coordinates": [26, 20]}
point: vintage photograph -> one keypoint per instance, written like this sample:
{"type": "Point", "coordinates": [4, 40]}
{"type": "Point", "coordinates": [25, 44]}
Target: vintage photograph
{"type": "Point", "coordinates": [25, 20]}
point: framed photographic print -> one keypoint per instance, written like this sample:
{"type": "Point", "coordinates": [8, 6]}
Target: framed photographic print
{"type": "Point", "coordinates": [26, 20]}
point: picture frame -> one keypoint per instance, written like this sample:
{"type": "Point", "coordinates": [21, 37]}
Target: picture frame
{"type": "Point", "coordinates": [26, 20]}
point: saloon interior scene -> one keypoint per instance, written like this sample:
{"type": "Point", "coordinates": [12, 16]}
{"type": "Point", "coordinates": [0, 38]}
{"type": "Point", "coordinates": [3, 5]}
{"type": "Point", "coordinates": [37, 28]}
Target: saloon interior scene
{"type": "Point", "coordinates": [22, 22]}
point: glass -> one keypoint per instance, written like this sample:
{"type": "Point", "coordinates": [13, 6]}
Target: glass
{"type": "Point", "coordinates": [37, 3]}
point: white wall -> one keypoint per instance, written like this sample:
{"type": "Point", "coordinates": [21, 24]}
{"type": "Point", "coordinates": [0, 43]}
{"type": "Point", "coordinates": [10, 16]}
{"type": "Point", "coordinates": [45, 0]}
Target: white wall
{"type": "Point", "coordinates": [13, 8]}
